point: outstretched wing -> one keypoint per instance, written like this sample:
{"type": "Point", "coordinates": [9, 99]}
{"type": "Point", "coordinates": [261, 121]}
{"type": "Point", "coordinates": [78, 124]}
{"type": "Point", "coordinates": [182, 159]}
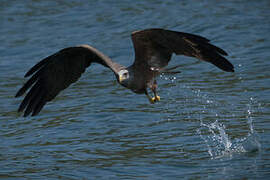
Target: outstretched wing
{"type": "Point", "coordinates": [56, 72]}
{"type": "Point", "coordinates": [154, 47]}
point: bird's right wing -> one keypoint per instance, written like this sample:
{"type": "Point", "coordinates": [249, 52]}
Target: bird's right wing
{"type": "Point", "coordinates": [56, 72]}
{"type": "Point", "coordinates": [154, 48]}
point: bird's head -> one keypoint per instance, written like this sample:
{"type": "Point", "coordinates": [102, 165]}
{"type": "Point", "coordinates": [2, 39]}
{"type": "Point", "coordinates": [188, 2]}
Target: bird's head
{"type": "Point", "coordinates": [123, 77]}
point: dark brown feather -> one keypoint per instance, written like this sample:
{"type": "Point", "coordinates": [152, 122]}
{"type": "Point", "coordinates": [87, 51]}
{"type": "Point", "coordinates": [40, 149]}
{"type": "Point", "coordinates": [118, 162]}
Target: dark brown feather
{"type": "Point", "coordinates": [57, 72]}
{"type": "Point", "coordinates": [153, 51]}
{"type": "Point", "coordinates": [154, 47]}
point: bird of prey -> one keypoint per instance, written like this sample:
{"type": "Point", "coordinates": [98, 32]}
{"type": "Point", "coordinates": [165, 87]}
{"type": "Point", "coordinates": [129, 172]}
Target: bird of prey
{"type": "Point", "coordinates": [153, 51]}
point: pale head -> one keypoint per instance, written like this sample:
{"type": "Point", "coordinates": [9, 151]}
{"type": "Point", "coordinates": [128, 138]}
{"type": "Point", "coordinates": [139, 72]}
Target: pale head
{"type": "Point", "coordinates": [123, 75]}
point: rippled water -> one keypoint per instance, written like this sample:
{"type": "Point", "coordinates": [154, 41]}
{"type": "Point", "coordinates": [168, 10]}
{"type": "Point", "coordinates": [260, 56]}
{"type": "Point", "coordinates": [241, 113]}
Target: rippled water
{"type": "Point", "coordinates": [209, 124]}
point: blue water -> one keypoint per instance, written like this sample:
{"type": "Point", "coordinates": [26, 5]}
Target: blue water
{"type": "Point", "coordinates": [209, 124]}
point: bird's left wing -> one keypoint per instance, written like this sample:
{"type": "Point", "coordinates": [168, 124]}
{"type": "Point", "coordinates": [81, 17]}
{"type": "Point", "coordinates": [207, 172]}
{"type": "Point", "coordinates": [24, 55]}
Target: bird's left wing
{"type": "Point", "coordinates": [56, 72]}
{"type": "Point", "coordinates": [154, 48]}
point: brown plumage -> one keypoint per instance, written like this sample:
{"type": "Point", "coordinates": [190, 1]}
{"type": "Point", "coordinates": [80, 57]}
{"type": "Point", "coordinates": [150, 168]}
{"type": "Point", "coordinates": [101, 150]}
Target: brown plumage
{"type": "Point", "coordinates": [153, 51]}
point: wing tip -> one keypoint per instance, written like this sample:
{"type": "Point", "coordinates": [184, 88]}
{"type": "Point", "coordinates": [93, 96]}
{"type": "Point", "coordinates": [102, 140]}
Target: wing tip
{"type": "Point", "coordinates": [230, 70]}
{"type": "Point", "coordinates": [19, 93]}
{"type": "Point", "coordinates": [28, 74]}
{"type": "Point", "coordinates": [225, 65]}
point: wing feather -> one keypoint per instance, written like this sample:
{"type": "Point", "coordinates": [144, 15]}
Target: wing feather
{"type": "Point", "coordinates": [156, 46]}
{"type": "Point", "coordinates": [56, 72]}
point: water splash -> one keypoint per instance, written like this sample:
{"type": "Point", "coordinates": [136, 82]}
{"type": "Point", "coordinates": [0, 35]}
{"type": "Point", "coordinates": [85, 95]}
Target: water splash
{"type": "Point", "coordinates": [218, 141]}
{"type": "Point", "coordinates": [168, 78]}
{"type": "Point", "coordinates": [251, 143]}
{"type": "Point", "coordinates": [220, 144]}
{"type": "Point", "coordinates": [215, 135]}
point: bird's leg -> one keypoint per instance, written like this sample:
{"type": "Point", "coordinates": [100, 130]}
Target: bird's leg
{"type": "Point", "coordinates": [149, 97]}
{"type": "Point", "coordinates": [156, 98]}
{"type": "Point", "coordinates": [154, 90]}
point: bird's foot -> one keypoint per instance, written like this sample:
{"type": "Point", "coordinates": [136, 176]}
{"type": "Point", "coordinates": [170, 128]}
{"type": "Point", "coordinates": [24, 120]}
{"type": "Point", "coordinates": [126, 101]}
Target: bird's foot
{"type": "Point", "coordinates": [154, 99]}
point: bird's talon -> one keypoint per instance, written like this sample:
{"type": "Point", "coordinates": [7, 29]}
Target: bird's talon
{"type": "Point", "coordinates": [154, 99]}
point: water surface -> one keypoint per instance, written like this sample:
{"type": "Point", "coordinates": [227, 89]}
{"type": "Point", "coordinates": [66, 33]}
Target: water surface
{"type": "Point", "coordinates": [209, 124]}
